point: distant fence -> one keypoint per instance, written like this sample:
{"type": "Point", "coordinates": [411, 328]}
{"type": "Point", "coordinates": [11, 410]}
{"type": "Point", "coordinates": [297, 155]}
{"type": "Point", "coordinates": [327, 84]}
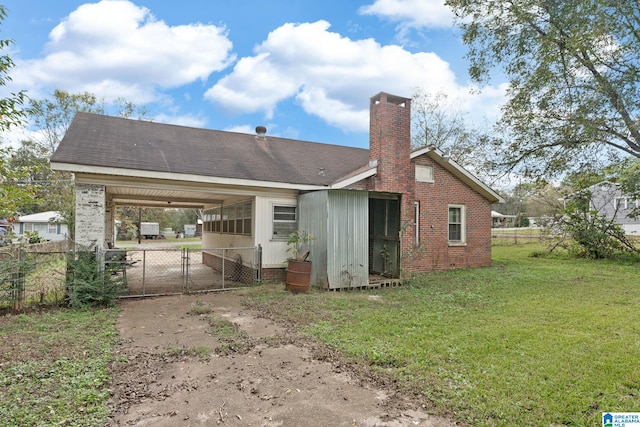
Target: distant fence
{"type": "Point", "coordinates": [518, 235]}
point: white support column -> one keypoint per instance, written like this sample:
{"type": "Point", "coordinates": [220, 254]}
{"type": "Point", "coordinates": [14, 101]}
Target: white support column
{"type": "Point", "coordinates": [90, 215]}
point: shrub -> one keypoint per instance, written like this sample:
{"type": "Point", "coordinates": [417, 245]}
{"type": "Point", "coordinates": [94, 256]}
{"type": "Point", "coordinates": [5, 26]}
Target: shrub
{"type": "Point", "coordinates": [88, 284]}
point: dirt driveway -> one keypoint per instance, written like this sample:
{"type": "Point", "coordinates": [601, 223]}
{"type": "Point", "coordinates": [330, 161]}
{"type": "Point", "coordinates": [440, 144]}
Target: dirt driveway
{"type": "Point", "coordinates": [172, 370]}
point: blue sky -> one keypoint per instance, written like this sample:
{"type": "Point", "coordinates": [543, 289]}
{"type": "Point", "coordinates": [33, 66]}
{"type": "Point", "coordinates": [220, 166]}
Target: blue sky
{"type": "Point", "coordinates": [304, 69]}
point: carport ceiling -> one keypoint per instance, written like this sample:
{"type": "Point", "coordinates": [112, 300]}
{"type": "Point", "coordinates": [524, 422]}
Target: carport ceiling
{"type": "Point", "coordinates": [160, 198]}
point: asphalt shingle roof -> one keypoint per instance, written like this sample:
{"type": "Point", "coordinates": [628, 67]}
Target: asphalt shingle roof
{"type": "Point", "coordinates": [98, 140]}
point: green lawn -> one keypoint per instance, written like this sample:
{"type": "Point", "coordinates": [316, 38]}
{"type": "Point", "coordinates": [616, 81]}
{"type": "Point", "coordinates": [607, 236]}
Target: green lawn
{"type": "Point", "coordinates": [528, 341]}
{"type": "Point", "coordinates": [53, 367]}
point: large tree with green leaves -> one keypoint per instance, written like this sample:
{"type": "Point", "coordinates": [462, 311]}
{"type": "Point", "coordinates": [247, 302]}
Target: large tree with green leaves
{"type": "Point", "coordinates": [574, 73]}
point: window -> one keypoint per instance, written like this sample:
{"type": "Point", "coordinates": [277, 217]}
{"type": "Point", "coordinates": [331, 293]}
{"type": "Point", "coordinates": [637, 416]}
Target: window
{"type": "Point", "coordinates": [284, 221]}
{"type": "Point", "coordinates": [424, 173]}
{"type": "Point", "coordinates": [456, 224]}
{"type": "Point", "coordinates": [232, 219]}
{"type": "Point", "coordinates": [53, 229]}
{"type": "Point", "coordinates": [41, 228]}
{"type": "Point", "coordinates": [621, 203]}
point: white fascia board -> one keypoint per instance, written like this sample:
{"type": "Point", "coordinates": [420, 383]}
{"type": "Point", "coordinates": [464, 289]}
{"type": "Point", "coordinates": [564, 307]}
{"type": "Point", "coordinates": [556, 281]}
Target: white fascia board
{"type": "Point", "coordinates": [101, 170]}
{"type": "Point", "coordinates": [438, 156]}
{"type": "Point", "coordinates": [355, 178]}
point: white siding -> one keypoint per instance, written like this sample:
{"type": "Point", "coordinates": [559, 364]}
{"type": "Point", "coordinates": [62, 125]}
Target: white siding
{"type": "Point", "coordinates": [274, 252]}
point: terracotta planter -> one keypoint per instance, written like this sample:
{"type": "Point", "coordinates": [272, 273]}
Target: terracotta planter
{"type": "Point", "coordinates": [298, 276]}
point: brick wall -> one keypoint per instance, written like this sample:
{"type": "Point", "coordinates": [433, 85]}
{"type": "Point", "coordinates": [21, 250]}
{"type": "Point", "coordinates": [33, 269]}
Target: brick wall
{"type": "Point", "coordinates": [90, 215]}
{"type": "Point", "coordinates": [274, 274]}
{"type": "Point", "coordinates": [434, 251]}
{"type": "Point", "coordinates": [233, 269]}
{"type": "Point", "coordinates": [390, 146]}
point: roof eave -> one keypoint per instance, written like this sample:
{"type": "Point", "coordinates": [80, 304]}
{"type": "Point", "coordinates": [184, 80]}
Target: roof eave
{"type": "Point", "coordinates": [438, 156]}
{"type": "Point", "coordinates": [136, 173]}
{"type": "Point", "coordinates": [343, 183]}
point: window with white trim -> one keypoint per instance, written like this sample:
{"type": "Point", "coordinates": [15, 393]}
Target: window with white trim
{"type": "Point", "coordinates": [40, 227]}
{"type": "Point", "coordinates": [285, 221]}
{"type": "Point", "coordinates": [457, 224]}
{"type": "Point", "coordinates": [623, 203]}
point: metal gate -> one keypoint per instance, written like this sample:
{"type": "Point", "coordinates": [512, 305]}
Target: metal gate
{"type": "Point", "coordinates": [171, 271]}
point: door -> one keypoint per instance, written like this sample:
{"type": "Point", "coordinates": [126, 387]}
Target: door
{"type": "Point", "coordinates": [384, 236]}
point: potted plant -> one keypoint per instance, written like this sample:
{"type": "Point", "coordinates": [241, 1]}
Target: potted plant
{"type": "Point", "coordinates": [298, 268]}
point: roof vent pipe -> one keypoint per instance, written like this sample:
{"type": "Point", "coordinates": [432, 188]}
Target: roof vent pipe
{"type": "Point", "coordinates": [261, 132]}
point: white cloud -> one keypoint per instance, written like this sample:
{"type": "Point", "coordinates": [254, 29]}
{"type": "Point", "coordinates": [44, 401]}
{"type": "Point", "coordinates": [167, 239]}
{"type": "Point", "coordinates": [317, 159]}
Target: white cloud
{"type": "Point", "coordinates": [412, 13]}
{"type": "Point", "coordinates": [329, 75]}
{"type": "Point", "coordinates": [117, 49]}
{"type": "Point", "coordinates": [16, 134]}
{"type": "Point", "coordinates": [181, 120]}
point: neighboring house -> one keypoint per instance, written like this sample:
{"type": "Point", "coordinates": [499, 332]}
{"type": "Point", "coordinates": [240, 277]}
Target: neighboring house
{"type": "Point", "coordinates": [499, 220]}
{"type": "Point", "coordinates": [48, 225]}
{"type": "Point", "coordinates": [383, 211]}
{"type": "Point", "coordinates": [608, 199]}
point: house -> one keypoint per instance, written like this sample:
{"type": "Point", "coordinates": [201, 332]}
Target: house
{"type": "Point", "coordinates": [383, 211]}
{"type": "Point", "coordinates": [609, 200]}
{"type": "Point", "coordinates": [49, 226]}
{"type": "Point", "coordinates": [499, 220]}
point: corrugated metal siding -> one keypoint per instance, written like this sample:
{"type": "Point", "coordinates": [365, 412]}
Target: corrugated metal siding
{"type": "Point", "coordinates": [313, 219]}
{"type": "Point", "coordinates": [339, 220]}
{"type": "Point", "coordinates": [348, 239]}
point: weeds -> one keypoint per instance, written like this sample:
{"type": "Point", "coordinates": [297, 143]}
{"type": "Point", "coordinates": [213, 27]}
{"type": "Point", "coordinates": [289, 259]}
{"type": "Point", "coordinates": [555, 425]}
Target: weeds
{"type": "Point", "coordinates": [54, 367]}
{"type": "Point", "coordinates": [233, 339]}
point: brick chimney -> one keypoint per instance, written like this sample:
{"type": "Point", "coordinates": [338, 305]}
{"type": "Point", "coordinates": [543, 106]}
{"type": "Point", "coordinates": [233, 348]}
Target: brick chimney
{"type": "Point", "coordinates": [390, 142]}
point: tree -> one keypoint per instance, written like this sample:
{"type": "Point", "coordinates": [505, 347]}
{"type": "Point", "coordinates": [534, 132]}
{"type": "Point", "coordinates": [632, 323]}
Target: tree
{"type": "Point", "coordinates": [13, 192]}
{"type": "Point", "coordinates": [574, 74]}
{"type": "Point", "coordinates": [50, 118]}
{"type": "Point", "coordinates": [11, 112]}
{"type": "Point", "coordinates": [437, 122]}
{"type": "Point", "coordinates": [589, 234]}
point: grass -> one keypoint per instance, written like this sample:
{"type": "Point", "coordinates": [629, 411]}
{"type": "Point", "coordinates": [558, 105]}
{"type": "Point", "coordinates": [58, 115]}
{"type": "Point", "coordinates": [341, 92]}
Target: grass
{"type": "Point", "coordinates": [528, 341]}
{"type": "Point", "coordinates": [201, 352]}
{"type": "Point", "coordinates": [54, 367]}
{"type": "Point", "coordinates": [232, 339]}
{"type": "Point", "coordinates": [188, 242]}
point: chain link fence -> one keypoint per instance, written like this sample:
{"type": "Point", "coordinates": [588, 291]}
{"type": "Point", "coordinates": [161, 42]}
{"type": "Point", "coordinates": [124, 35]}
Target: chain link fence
{"type": "Point", "coordinates": [33, 275]}
{"type": "Point", "coordinates": [36, 275]}
{"type": "Point", "coordinates": [168, 271]}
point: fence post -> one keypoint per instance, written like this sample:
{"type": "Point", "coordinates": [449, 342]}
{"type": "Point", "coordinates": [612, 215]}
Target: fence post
{"type": "Point", "coordinates": [223, 264]}
{"type": "Point", "coordinates": [185, 267]}
{"type": "Point", "coordinates": [258, 263]}
{"type": "Point", "coordinates": [18, 282]}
